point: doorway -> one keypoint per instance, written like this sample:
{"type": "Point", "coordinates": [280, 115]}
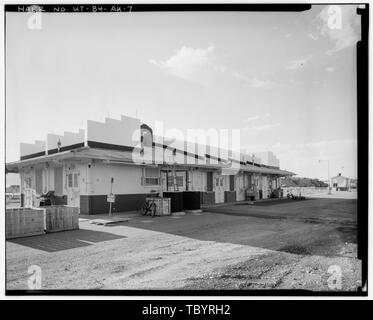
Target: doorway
{"type": "Point", "coordinates": [219, 188]}
{"type": "Point", "coordinates": [73, 188]}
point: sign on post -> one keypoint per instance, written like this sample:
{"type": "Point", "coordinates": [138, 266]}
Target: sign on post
{"type": "Point", "coordinates": [111, 198]}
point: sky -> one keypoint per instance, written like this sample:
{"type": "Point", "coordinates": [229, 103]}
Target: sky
{"type": "Point", "coordinates": [287, 81]}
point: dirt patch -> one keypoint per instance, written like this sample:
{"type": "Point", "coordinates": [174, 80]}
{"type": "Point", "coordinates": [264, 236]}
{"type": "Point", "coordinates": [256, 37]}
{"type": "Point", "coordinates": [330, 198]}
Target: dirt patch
{"type": "Point", "coordinates": [279, 270]}
{"type": "Point", "coordinates": [348, 233]}
{"type": "Point", "coordinates": [296, 249]}
{"type": "Point", "coordinates": [260, 272]}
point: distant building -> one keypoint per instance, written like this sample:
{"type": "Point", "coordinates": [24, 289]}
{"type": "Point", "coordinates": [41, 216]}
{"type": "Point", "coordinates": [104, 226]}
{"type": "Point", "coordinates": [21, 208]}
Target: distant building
{"type": "Point", "coordinates": [341, 183]}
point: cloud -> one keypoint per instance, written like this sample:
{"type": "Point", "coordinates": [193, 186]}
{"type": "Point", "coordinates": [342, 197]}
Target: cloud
{"type": "Point", "coordinates": [299, 63]}
{"type": "Point", "coordinates": [265, 127]}
{"type": "Point", "coordinates": [253, 82]}
{"type": "Point", "coordinates": [257, 129]}
{"type": "Point", "coordinates": [199, 65]}
{"type": "Point", "coordinates": [313, 37]}
{"type": "Point", "coordinates": [330, 69]}
{"type": "Point", "coordinates": [250, 119]}
{"type": "Point", "coordinates": [187, 62]}
{"type": "Point", "coordinates": [341, 25]}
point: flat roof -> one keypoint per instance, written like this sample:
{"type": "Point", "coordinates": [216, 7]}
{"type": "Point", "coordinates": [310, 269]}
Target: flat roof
{"type": "Point", "coordinates": [125, 157]}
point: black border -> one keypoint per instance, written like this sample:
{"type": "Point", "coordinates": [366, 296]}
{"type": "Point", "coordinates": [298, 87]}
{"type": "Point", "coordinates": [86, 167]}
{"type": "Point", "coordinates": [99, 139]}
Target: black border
{"type": "Point", "coordinates": [362, 132]}
{"type": "Point", "coordinates": [363, 142]}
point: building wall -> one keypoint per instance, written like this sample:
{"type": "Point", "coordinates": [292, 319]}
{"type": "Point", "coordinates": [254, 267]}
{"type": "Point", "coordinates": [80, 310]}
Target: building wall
{"type": "Point", "coordinates": [127, 186]}
{"type": "Point", "coordinates": [268, 158]}
{"type": "Point", "coordinates": [67, 139]}
{"type": "Point", "coordinates": [123, 132]}
{"type": "Point", "coordinates": [32, 149]}
{"type": "Point", "coordinates": [127, 179]}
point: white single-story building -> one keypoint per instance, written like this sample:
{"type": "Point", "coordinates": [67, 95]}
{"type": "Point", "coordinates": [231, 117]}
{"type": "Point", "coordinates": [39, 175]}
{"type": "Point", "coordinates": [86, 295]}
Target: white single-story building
{"type": "Point", "coordinates": [113, 157]}
{"type": "Point", "coordinates": [341, 183]}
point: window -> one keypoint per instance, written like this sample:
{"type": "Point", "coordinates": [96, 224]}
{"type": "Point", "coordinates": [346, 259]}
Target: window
{"type": "Point", "coordinates": [70, 180]}
{"type": "Point", "coordinates": [28, 182]}
{"type": "Point", "coordinates": [76, 181]}
{"type": "Point", "coordinates": [151, 176]}
{"type": "Point", "coordinates": [179, 181]}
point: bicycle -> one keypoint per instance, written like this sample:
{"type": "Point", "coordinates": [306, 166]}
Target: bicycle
{"type": "Point", "coordinates": [149, 208]}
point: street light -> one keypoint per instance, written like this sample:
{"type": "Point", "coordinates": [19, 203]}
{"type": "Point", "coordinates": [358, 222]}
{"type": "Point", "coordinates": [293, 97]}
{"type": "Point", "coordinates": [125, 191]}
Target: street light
{"type": "Point", "coordinates": [329, 187]}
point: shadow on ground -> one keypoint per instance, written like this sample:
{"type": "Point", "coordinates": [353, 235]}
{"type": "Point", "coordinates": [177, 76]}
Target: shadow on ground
{"type": "Point", "coordinates": [53, 242]}
{"type": "Point", "coordinates": [313, 227]}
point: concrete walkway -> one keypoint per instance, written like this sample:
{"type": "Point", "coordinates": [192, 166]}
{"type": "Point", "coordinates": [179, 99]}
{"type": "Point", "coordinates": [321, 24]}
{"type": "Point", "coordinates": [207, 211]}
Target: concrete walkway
{"type": "Point", "coordinates": [335, 195]}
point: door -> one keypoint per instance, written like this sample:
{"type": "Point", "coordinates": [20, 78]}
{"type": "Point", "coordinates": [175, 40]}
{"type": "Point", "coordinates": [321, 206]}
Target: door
{"type": "Point", "coordinates": [209, 181]}
{"type": "Point", "coordinates": [240, 187]}
{"type": "Point", "coordinates": [265, 187]}
{"type": "Point", "coordinates": [181, 181]}
{"type": "Point", "coordinates": [73, 188]}
{"type": "Point", "coordinates": [219, 188]}
{"type": "Point", "coordinates": [196, 180]}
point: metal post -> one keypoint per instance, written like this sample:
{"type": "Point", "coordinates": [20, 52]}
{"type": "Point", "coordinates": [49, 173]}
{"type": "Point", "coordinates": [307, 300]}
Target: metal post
{"type": "Point", "coordinates": [329, 182]}
{"type": "Point", "coordinates": [330, 186]}
{"type": "Point", "coordinates": [111, 192]}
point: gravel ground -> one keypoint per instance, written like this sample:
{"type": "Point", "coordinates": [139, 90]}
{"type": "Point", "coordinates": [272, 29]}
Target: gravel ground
{"type": "Point", "coordinates": [284, 246]}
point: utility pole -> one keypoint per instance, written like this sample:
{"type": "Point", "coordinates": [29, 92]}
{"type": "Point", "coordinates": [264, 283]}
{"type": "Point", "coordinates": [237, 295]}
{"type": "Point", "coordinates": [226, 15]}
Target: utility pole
{"type": "Point", "coordinates": [329, 182]}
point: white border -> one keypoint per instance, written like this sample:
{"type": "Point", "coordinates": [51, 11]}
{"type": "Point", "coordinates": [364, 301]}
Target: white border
{"type": "Point", "coordinates": [2, 170]}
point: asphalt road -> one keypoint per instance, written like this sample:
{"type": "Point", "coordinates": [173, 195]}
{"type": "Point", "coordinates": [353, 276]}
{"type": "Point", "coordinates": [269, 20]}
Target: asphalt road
{"type": "Point", "coordinates": [288, 245]}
